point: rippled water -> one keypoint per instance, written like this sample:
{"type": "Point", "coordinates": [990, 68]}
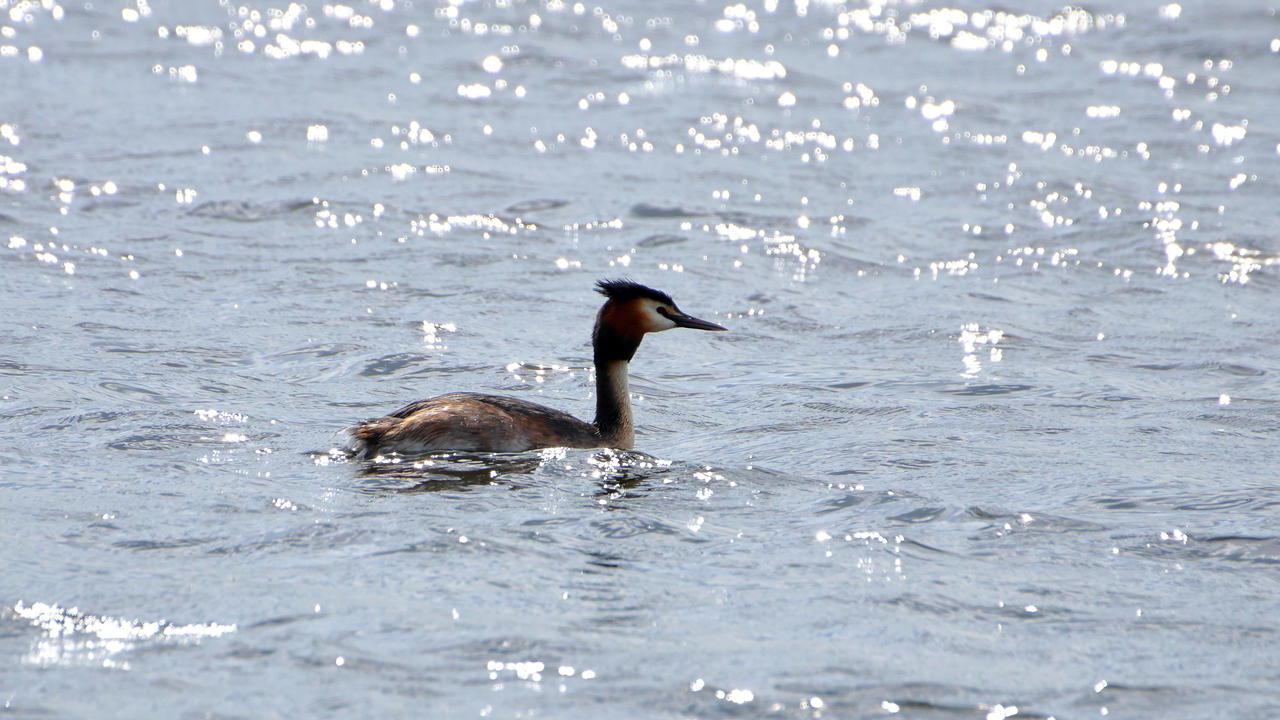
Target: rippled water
{"type": "Point", "coordinates": [993, 433]}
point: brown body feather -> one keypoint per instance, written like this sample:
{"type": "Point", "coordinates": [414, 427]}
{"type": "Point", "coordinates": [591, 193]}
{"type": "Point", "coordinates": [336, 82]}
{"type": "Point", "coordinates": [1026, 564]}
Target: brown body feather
{"type": "Point", "coordinates": [473, 421]}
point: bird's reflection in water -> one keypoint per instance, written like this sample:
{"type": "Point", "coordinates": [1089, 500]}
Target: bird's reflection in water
{"type": "Point", "coordinates": [619, 473]}
{"type": "Point", "coordinates": [446, 471]}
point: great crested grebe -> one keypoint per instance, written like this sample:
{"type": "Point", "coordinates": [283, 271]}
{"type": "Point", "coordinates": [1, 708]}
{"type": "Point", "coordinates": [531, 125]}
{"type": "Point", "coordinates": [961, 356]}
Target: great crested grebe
{"type": "Point", "coordinates": [496, 423]}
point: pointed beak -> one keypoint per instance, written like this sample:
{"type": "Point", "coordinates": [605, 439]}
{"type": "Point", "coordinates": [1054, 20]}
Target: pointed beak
{"type": "Point", "coordinates": [689, 321]}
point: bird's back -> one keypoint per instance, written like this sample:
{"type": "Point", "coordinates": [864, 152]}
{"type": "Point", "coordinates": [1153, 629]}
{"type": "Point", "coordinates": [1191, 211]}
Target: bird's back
{"type": "Point", "coordinates": [472, 421]}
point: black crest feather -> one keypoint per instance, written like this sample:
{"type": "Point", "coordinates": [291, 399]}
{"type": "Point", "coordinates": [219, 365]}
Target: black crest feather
{"type": "Point", "coordinates": [622, 290]}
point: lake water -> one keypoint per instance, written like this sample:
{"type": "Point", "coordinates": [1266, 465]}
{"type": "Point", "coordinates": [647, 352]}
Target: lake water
{"type": "Point", "coordinates": [994, 431]}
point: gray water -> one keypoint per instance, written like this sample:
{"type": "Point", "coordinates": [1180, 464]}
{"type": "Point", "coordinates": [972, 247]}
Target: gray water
{"type": "Point", "coordinates": [993, 433]}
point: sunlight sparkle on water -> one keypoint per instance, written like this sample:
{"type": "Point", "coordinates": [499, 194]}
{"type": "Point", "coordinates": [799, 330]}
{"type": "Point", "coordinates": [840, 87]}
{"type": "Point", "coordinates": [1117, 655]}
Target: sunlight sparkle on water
{"type": "Point", "coordinates": [73, 638]}
{"type": "Point", "coordinates": [438, 225]}
{"type": "Point", "coordinates": [475, 91]}
{"type": "Point", "coordinates": [432, 334]}
{"type": "Point", "coordinates": [9, 170]}
{"type": "Point", "coordinates": [971, 338]}
{"type": "Point", "coordinates": [197, 35]}
{"type": "Point", "coordinates": [737, 696]}
{"type": "Point", "coordinates": [1227, 135]}
{"type": "Point", "coordinates": [972, 31]}
{"type": "Point", "coordinates": [1000, 712]}
{"type": "Point", "coordinates": [1243, 261]}
{"type": "Point", "coordinates": [221, 416]}
{"type": "Point", "coordinates": [741, 68]}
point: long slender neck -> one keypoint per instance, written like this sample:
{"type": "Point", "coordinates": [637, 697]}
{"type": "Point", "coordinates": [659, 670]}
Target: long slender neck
{"type": "Point", "coordinates": [613, 404]}
{"type": "Point", "coordinates": [612, 354]}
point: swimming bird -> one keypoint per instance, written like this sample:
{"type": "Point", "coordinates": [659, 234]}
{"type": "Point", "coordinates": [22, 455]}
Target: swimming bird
{"type": "Point", "coordinates": [496, 423]}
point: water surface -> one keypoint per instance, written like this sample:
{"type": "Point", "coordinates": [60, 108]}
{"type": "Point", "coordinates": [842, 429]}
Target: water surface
{"type": "Point", "coordinates": [993, 432]}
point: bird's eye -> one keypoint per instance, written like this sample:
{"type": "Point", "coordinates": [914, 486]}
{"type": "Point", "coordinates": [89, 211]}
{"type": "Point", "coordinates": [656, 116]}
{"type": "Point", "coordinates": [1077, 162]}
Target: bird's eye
{"type": "Point", "coordinates": [663, 311]}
